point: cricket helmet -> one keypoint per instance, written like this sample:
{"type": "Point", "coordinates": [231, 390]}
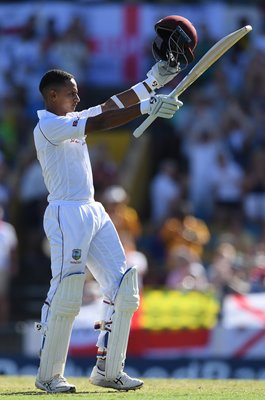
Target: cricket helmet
{"type": "Point", "coordinates": [175, 41]}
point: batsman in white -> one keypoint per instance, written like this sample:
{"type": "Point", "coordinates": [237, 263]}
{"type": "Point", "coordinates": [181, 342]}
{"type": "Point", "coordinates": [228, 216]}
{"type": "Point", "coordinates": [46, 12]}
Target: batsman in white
{"type": "Point", "coordinates": [80, 232]}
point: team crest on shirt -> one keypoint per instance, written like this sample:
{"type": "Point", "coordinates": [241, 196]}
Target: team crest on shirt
{"type": "Point", "coordinates": [75, 122]}
{"type": "Point", "coordinates": [76, 255]}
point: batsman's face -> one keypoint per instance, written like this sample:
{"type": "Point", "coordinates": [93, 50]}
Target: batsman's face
{"type": "Point", "coordinates": [65, 98]}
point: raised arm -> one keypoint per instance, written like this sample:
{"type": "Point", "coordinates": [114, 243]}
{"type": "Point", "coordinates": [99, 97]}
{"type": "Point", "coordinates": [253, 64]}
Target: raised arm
{"type": "Point", "coordinates": [112, 117]}
{"type": "Point", "coordinates": [162, 106]}
{"type": "Point", "coordinates": [138, 100]}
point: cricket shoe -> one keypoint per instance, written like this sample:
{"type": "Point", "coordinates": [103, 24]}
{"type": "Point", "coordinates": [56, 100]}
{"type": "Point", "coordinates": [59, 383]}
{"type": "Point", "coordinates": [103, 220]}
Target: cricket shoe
{"type": "Point", "coordinates": [122, 382]}
{"type": "Point", "coordinates": [58, 384]}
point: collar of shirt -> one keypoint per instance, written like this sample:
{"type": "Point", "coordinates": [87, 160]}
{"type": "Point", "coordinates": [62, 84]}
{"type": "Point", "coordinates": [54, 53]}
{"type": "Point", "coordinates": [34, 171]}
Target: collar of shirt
{"type": "Point", "coordinates": [47, 114]}
{"type": "Point", "coordinates": [44, 113]}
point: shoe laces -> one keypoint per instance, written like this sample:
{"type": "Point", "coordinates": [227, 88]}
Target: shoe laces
{"type": "Point", "coordinates": [123, 377]}
{"type": "Point", "coordinates": [60, 379]}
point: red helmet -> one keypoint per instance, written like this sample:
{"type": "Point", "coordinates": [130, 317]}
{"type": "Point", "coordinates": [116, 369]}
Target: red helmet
{"type": "Point", "coordinates": [176, 40]}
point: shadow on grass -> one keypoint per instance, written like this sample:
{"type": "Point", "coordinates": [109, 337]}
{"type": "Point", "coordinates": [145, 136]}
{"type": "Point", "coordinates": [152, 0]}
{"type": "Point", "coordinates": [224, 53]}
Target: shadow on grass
{"type": "Point", "coordinates": [35, 393]}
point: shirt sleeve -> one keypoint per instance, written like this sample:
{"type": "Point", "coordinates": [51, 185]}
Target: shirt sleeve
{"type": "Point", "coordinates": [91, 112]}
{"type": "Point", "coordinates": [61, 128]}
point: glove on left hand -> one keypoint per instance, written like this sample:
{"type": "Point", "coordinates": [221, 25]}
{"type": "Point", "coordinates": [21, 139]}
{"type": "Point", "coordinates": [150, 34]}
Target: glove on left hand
{"type": "Point", "coordinates": [162, 106]}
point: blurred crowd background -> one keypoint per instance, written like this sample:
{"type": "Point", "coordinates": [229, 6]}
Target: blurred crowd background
{"type": "Point", "coordinates": [193, 217]}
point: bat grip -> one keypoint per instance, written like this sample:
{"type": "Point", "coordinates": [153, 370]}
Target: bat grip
{"type": "Point", "coordinates": [144, 125]}
{"type": "Point", "coordinates": [151, 118]}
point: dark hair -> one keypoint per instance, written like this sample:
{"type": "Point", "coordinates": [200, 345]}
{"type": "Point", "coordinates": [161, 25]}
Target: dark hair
{"type": "Point", "coordinates": [54, 77]}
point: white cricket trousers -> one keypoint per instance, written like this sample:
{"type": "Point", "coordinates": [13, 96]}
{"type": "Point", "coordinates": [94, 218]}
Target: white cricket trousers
{"type": "Point", "coordinates": [82, 235]}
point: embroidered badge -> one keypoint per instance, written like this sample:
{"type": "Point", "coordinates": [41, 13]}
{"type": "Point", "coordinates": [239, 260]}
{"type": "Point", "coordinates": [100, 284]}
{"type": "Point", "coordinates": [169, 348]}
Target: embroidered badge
{"type": "Point", "coordinates": [76, 254]}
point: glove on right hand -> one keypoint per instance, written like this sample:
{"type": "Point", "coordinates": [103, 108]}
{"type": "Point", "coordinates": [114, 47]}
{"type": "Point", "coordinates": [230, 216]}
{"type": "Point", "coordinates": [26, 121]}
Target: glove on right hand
{"type": "Point", "coordinates": [160, 74]}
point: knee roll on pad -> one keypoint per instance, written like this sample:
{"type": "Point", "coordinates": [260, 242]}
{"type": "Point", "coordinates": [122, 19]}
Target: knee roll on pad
{"type": "Point", "coordinates": [127, 298]}
{"type": "Point", "coordinates": [68, 297]}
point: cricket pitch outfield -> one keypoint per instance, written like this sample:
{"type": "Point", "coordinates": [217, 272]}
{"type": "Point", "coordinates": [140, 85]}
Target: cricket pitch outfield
{"type": "Point", "coordinates": [22, 388]}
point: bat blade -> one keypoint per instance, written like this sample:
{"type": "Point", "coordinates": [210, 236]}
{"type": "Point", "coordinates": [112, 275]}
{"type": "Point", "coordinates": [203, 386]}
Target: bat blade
{"type": "Point", "coordinates": [212, 55]}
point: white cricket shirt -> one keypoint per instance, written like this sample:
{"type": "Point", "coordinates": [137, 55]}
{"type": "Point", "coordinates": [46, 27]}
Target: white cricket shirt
{"type": "Point", "coordinates": [62, 151]}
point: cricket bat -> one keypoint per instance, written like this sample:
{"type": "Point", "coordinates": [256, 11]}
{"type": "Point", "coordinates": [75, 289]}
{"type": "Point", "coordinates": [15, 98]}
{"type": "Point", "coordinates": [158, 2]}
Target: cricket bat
{"type": "Point", "coordinates": [212, 55]}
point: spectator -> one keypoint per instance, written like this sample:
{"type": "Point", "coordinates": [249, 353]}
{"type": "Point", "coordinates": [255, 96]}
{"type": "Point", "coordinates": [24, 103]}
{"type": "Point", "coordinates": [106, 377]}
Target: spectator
{"type": "Point", "coordinates": [8, 264]}
{"type": "Point", "coordinates": [70, 51]}
{"type": "Point", "coordinates": [257, 278]}
{"type": "Point", "coordinates": [125, 218]}
{"type": "Point", "coordinates": [50, 35]}
{"type": "Point", "coordinates": [134, 257]}
{"type": "Point", "coordinates": [185, 230]}
{"type": "Point", "coordinates": [32, 193]}
{"type": "Point", "coordinates": [254, 188]}
{"type": "Point", "coordinates": [27, 55]}
{"type": "Point", "coordinates": [165, 190]}
{"type": "Point", "coordinates": [228, 273]}
{"type": "Point", "coordinates": [5, 190]}
{"type": "Point", "coordinates": [235, 66]}
{"type": "Point", "coordinates": [202, 155]}
{"type": "Point", "coordinates": [185, 271]}
{"type": "Point", "coordinates": [226, 185]}
{"type": "Point", "coordinates": [237, 131]}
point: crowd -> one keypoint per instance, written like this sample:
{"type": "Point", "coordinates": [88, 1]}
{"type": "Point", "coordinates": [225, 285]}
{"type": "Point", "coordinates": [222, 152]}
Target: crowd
{"type": "Point", "coordinates": [203, 227]}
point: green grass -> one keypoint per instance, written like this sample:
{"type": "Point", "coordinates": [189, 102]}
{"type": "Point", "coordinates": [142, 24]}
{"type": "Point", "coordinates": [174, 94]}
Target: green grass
{"type": "Point", "coordinates": [22, 388]}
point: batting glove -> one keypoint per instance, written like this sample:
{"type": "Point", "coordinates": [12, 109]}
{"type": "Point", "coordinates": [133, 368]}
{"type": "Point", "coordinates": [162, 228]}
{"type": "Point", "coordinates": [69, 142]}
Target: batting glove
{"type": "Point", "coordinates": [161, 74]}
{"type": "Point", "coordinates": [162, 106]}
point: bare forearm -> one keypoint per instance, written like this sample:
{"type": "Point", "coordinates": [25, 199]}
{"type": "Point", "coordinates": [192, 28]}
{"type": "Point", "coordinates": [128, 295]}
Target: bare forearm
{"type": "Point", "coordinates": [130, 104]}
{"type": "Point", "coordinates": [119, 109]}
{"type": "Point", "coordinates": [127, 98]}
{"type": "Point", "coordinates": [112, 118]}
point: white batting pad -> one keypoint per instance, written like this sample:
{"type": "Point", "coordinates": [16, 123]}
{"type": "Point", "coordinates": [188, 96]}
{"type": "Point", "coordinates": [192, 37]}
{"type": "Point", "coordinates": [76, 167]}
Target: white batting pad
{"type": "Point", "coordinates": [126, 303]}
{"type": "Point", "coordinates": [64, 308]}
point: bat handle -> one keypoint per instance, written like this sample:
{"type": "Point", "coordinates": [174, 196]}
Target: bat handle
{"type": "Point", "coordinates": [144, 125]}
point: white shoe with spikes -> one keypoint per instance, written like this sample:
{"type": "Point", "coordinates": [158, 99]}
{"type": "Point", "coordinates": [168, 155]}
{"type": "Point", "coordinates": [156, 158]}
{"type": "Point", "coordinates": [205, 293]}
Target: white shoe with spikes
{"type": "Point", "coordinates": [122, 382]}
{"type": "Point", "coordinates": [58, 384]}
